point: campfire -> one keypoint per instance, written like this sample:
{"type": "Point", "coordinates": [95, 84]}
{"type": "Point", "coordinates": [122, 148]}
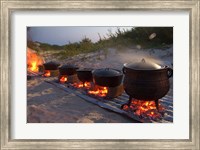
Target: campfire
{"type": "Point", "coordinates": [51, 69]}
{"type": "Point", "coordinates": [47, 73]}
{"type": "Point", "coordinates": [144, 108]}
{"type": "Point", "coordinates": [86, 85]}
{"type": "Point", "coordinates": [33, 60]}
{"type": "Point", "coordinates": [72, 79]}
{"type": "Point", "coordinates": [63, 79]}
{"type": "Point", "coordinates": [99, 91]}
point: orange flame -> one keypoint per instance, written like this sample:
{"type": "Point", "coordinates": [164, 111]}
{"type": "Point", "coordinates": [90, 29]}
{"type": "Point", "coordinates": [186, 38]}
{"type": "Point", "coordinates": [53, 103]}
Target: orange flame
{"type": "Point", "coordinates": [86, 85]}
{"type": "Point", "coordinates": [33, 60]}
{"type": "Point", "coordinates": [63, 79]}
{"type": "Point", "coordinates": [47, 73]}
{"type": "Point", "coordinates": [100, 91]}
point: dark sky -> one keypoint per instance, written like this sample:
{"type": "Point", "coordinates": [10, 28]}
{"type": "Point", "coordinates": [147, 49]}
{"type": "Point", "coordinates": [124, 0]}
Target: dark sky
{"type": "Point", "coordinates": [64, 35]}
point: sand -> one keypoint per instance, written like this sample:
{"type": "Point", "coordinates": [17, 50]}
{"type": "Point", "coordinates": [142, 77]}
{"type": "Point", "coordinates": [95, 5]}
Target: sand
{"type": "Point", "coordinates": [48, 104]}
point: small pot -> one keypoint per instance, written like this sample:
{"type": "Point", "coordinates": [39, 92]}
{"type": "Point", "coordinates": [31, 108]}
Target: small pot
{"type": "Point", "coordinates": [85, 75]}
{"type": "Point", "coordinates": [51, 65]}
{"type": "Point", "coordinates": [68, 69]}
{"type": "Point", "coordinates": [146, 80]}
{"type": "Point", "coordinates": [107, 77]}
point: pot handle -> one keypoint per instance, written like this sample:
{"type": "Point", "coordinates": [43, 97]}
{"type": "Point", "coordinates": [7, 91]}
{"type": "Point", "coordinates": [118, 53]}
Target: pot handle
{"type": "Point", "coordinates": [124, 71]}
{"type": "Point", "coordinates": [169, 72]}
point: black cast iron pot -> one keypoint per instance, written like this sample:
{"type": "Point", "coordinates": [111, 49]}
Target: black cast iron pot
{"type": "Point", "coordinates": [51, 65]}
{"type": "Point", "coordinates": [107, 77]}
{"type": "Point", "coordinates": [68, 69]}
{"type": "Point", "coordinates": [146, 80]}
{"type": "Point", "coordinates": [85, 75]}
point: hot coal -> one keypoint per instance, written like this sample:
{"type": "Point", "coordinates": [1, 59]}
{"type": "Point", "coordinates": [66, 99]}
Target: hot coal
{"type": "Point", "coordinates": [144, 109]}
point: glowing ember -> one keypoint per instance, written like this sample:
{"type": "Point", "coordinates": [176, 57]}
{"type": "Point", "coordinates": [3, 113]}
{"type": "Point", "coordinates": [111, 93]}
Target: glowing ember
{"type": "Point", "coordinates": [144, 108]}
{"type": "Point", "coordinates": [33, 60]}
{"type": "Point", "coordinates": [63, 79]}
{"type": "Point", "coordinates": [99, 91]}
{"type": "Point", "coordinates": [125, 107]}
{"type": "Point", "coordinates": [47, 73]}
{"type": "Point", "coordinates": [86, 85]}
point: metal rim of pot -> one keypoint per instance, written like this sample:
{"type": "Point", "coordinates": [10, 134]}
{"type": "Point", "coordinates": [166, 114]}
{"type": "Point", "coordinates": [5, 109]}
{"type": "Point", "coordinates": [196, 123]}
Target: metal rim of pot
{"type": "Point", "coordinates": [66, 66]}
{"type": "Point", "coordinates": [148, 68]}
{"type": "Point", "coordinates": [84, 69]}
{"type": "Point", "coordinates": [107, 77]}
{"type": "Point", "coordinates": [108, 72]}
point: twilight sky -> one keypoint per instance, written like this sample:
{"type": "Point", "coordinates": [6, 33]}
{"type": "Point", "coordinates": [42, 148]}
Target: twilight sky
{"type": "Point", "coordinates": [64, 35]}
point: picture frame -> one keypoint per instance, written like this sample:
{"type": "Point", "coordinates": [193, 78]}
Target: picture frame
{"type": "Point", "coordinates": [8, 7]}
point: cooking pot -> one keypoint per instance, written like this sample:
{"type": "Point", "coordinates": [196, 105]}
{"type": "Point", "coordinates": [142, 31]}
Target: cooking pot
{"type": "Point", "coordinates": [146, 80]}
{"type": "Point", "coordinates": [68, 69]}
{"type": "Point", "coordinates": [85, 75]}
{"type": "Point", "coordinates": [51, 65]}
{"type": "Point", "coordinates": [107, 77]}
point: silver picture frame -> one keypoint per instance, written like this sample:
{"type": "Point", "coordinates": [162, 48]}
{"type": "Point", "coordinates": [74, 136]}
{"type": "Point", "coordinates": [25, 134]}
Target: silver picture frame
{"type": "Point", "coordinates": [8, 7]}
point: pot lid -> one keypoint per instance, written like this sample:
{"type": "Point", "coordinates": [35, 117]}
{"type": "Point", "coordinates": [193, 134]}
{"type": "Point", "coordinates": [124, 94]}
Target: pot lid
{"type": "Point", "coordinates": [85, 69]}
{"type": "Point", "coordinates": [107, 72]}
{"type": "Point", "coordinates": [51, 63]}
{"type": "Point", "coordinates": [67, 66]}
{"type": "Point", "coordinates": [143, 65]}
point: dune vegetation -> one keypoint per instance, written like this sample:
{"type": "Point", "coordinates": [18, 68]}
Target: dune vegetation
{"type": "Point", "coordinates": [138, 37]}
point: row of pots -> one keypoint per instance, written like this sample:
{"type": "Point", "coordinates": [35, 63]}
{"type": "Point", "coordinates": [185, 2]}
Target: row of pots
{"type": "Point", "coordinates": [104, 77]}
{"type": "Point", "coordinates": [142, 80]}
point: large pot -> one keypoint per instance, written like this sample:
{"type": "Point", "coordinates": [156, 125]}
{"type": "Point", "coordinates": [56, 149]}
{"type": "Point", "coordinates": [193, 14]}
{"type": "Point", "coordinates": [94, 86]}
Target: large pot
{"type": "Point", "coordinates": [107, 77]}
{"type": "Point", "coordinates": [51, 65]}
{"type": "Point", "coordinates": [85, 75]}
{"type": "Point", "coordinates": [68, 69]}
{"type": "Point", "coordinates": [146, 80]}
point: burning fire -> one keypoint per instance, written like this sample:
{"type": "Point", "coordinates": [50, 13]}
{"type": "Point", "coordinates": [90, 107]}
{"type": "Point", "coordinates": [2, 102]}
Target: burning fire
{"type": "Point", "coordinates": [47, 73]}
{"type": "Point", "coordinates": [99, 91]}
{"type": "Point", "coordinates": [63, 79]}
{"type": "Point", "coordinates": [86, 85]}
{"type": "Point", "coordinates": [144, 108]}
{"type": "Point", "coordinates": [33, 60]}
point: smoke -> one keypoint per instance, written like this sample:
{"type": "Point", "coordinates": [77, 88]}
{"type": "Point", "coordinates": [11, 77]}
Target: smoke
{"type": "Point", "coordinates": [116, 59]}
{"type": "Point", "coordinates": [134, 56]}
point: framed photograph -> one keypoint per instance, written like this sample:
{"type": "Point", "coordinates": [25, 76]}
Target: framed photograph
{"type": "Point", "coordinates": [100, 74]}
{"type": "Point", "coordinates": [94, 65]}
